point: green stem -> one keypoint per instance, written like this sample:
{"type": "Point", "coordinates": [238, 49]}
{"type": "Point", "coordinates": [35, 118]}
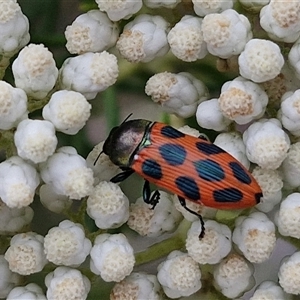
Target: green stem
{"type": "Point", "coordinates": [161, 249]}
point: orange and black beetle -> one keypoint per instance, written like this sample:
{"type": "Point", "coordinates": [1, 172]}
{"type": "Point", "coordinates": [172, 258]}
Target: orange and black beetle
{"type": "Point", "coordinates": [193, 168]}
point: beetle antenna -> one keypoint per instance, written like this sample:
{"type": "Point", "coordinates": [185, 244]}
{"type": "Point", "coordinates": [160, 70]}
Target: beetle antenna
{"type": "Point", "coordinates": [127, 118]}
{"type": "Point", "coordinates": [97, 157]}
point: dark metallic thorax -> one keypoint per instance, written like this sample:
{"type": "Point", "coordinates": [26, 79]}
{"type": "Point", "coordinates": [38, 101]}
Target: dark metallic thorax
{"type": "Point", "coordinates": [123, 141]}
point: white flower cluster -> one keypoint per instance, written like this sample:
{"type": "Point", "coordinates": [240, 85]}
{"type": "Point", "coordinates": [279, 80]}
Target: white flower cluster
{"type": "Point", "coordinates": [255, 107]}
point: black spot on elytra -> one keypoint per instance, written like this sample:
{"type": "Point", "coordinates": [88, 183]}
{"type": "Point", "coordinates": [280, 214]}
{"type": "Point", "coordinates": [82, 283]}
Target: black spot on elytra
{"type": "Point", "coordinates": [209, 170]}
{"type": "Point", "coordinates": [188, 187]}
{"type": "Point", "coordinates": [239, 173]}
{"type": "Point", "coordinates": [173, 154]}
{"type": "Point", "coordinates": [208, 149]}
{"type": "Point", "coordinates": [257, 197]}
{"type": "Point", "coordinates": [152, 169]}
{"type": "Point", "coordinates": [171, 132]}
{"type": "Point", "coordinates": [227, 195]}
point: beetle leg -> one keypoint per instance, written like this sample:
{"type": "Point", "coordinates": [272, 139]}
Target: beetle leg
{"type": "Point", "coordinates": [122, 176]}
{"type": "Point", "coordinates": [203, 136]}
{"type": "Point", "coordinates": [182, 202]}
{"type": "Point", "coordinates": [152, 200]}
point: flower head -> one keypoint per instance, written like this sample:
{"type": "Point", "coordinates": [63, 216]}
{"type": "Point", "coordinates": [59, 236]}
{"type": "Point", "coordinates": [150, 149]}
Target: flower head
{"type": "Point", "coordinates": [233, 276]}
{"type": "Point", "coordinates": [26, 253]}
{"type": "Point", "coordinates": [289, 216]}
{"type": "Point", "coordinates": [75, 179]}
{"type": "Point", "coordinates": [206, 7]}
{"type": "Point", "coordinates": [68, 111]}
{"type": "Point", "coordinates": [66, 244]}
{"type": "Point", "coordinates": [143, 39]}
{"type": "Point", "coordinates": [266, 143]}
{"type": "Point", "coordinates": [281, 19]}
{"type": "Point", "coordinates": [13, 106]}
{"type": "Point", "coordinates": [255, 236]}
{"type": "Point", "coordinates": [136, 286]}
{"type": "Point", "coordinates": [89, 73]}
{"type": "Point", "coordinates": [186, 39]}
{"type": "Point", "coordinates": [177, 93]}
{"type": "Point", "coordinates": [120, 9]}
{"type": "Point", "coordinates": [35, 71]}
{"type": "Point", "coordinates": [108, 205]}
{"type": "Point", "coordinates": [179, 275]}
{"type": "Point", "coordinates": [14, 27]}
{"type": "Point", "coordinates": [291, 167]}
{"type": "Point", "coordinates": [261, 60]}
{"type": "Point", "coordinates": [30, 291]}
{"type": "Point", "coordinates": [215, 245]}
{"type": "Point", "coordinates": [227, 33]}
{"type": "Point", "coordinates": [91, 32]}
{"type": "Point", "coordinates": [35, 140]}
{"type": "Point", "coordinates": [67, 283]}
{"type": "Point", "coordinates": [289, 274]}
{"type": "Point", "coordinates": [242, 100]}
{"type": "Point", "coordinates": [112, 257]}
{"type": "Point", "coordinates": [18, 181]}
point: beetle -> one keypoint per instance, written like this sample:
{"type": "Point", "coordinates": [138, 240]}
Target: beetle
{"type": "Point", "coordinates": [193, 168]}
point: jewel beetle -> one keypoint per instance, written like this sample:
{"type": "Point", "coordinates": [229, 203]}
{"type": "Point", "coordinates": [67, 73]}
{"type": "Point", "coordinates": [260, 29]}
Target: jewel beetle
{"type": "Point", "coordinates": [193, 168]}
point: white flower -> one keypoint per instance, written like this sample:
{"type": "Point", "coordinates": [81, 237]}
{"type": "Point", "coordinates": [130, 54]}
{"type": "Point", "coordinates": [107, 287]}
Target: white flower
{"type": "Point", "coordinates": [214, 246]}
{"type": "Point", "coordinates": [209, 115]}
{"type": "Point", "coordinates": [8, 279]}
{"type": "Point", "coordinates": [30, 291]}
{"type": "Point", "coordinates": [89, 73]}
{"type": "Point", "coordinates": [104, 169]}
{"type": "Point", "coordinates": [112, 257]}
{"type": "Point", "coordinates": [233, 276]}
{"type": "Point", "coordinates": [206, 7]}
{"type": "Point", "coordinates": [117, 10]}
{"type": "Point", "coordinates": [269, 290]}
{"type": "Point", "coordinates": [18, 181]}
{"type": "Point", "coordinates": [266, 143]}
{"type": "Point", "coordinates": [67, 172]}
{"type": "Point", "coordinates": [91, 32]}
{"type": "Point", "coordinates": [67, 283]}
{"type": "Point", "coordinates": [294, 58]}
{"type": "Point", "coordinates": [53, 201]}
{"type": "Point", "coordinates": [161, 3]}
{"type": "Point", "coordinates": [13, 220]}
{"type": "Point", "coordinates": [137, 286]}
{"type": "Point", "coordinates": [35, 140]}
{"type": "Point", "coordinates": [290, 112]}
{"type": "Point", "coordinates": [144, 39]}
{"type": "Point", "coordinates": [108, 205]}
{"type": "Point", "coordinates": [242, 100]}
{"type": "Point", "coordinates": [66, 244]}
{"type": "Point", "coordinates": [177, 93]}
{"type": "Point", "coordinates": [232, 143]}
{"type": "Point", "coordinates": [14, 28]}
{"type": "Point", "coordinates": [226, 34]}
{"type": "Point", "coordinates": [13, 105]}
{"type": "Point", "coordinates": [25, 254]}
{"type": "Point", "coordinates": [261, 60]}
{"type": "Point", "coordinates": [288, 217]}
{"type": "Point", "coordinates": [154, 222]}
{"type": "Point", "coordinates": [289, 274]}
{"type": "Point", "coordinates": [291, 167]}
{"type": "Point", "coordinates": [255, 236]}
{"type": "Point", "coordinates": [35, 71]}
{"type": "Point", "coordinates": [271, 184]}
{"type": "Point", "coordinates": [186, 39]}
{"type": "Point", "coordinates": [179, 275]}
{"type": "Point", "coordinates": [281, 20]}
{"type": "Point", "coordinates": [68, 111]}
